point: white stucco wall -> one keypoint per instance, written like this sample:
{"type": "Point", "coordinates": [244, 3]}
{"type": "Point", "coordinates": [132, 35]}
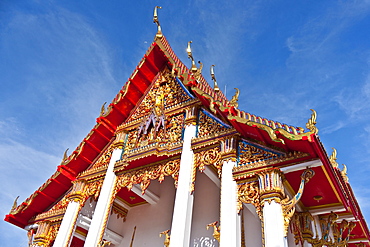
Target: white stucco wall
{"type": "Point", "coordinates": [206, 210]}
{"type": "Point", "coordinates": [252, 227]}
{"type": "Point", "coordinates": [149, 220]}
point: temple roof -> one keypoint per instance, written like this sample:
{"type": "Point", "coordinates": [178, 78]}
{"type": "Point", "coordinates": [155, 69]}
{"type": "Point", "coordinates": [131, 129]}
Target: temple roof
{"type": "Point", "coordinates": [331, 183]}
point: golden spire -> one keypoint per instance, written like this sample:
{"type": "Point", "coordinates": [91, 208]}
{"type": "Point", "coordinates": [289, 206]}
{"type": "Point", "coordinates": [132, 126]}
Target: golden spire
{"type": "Point", "coordinates": [215, 87]}
{"type": "Point", "coordinates": [156, 21]}
{"type": "Point", "coordinates": [190, 55]}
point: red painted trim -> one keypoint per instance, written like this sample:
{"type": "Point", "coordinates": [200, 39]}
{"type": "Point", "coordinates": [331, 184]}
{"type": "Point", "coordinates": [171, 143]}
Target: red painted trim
{"type": "Point", "coordinates": [66, 172]}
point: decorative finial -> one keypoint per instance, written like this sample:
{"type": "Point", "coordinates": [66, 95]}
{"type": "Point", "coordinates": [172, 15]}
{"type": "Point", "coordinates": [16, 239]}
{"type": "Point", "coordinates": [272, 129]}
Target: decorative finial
{"type": "Point", "coordinates": [102, 109]}
{"type": "Point", "coordinates": [333, 158]}
{"type": "Point", "coordinates": [235, 98]}
{"type": "Point", "coordinates": [65, 156]}
{"type": "Point", "coordinates": [167, 237]}
{"type": "Point", "coordinates": [312, 122]}
{"type": "Point", "coordinates": [344, 173]}
{"type": "Point", "coordinates": [190, 55]}
{"type": "Point", "coordinates": [215, 87]}
{"type": "Point", "coordinates": [15, 205]}
{"type": "Point", "coordinates": [156, 21]}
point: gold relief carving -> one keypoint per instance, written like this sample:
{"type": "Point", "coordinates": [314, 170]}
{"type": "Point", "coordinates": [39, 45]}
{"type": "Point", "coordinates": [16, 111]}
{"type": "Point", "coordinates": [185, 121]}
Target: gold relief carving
{"type": "Point", "coordinates": [249, 193]}
{"type": "Point", "coordinates": [174, 128]}
{"type": "Point", "coordinates": [104, 159]}
{"type": "Point", "coordinates": [249, 154]}
{"type": "Point", "coordinates": [208, 126]}
{"type": "Point", "coordinates": [271, 185]}
{"type": "Point", "coordinates": [120, 211]}
{"type": "Point", "coordinates": [166, 237]}
{"type": "Point", "coordinates": [169, 91]}
{"type": "Point", "coordinates": [171, 133]}
{"type": "Point", "coordinates": [145, 175]}
{"type": "Point", "coordinates": [288, 206]}
{"type": "Point", "coordinates": [45, 234]}
{"type": "Point", "coordinates": [93, 189]}
{"type": "Point", "coordinates": [216, 230]}
{"type": "Point", "coordinates": [203, 159]}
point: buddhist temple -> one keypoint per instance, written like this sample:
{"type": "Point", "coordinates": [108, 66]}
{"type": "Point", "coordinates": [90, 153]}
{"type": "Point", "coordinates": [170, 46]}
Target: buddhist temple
{"type": "Point", "coordinates": [172, 162]}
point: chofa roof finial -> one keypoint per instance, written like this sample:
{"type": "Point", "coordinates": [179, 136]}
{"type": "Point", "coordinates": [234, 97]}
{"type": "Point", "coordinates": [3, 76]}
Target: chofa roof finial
{"type": "Point", "coordinates": [215, 86]}
{"type": "Point", "coordinates": [190, 55]}
{"type": "Point", "coordinates": [156, 21]}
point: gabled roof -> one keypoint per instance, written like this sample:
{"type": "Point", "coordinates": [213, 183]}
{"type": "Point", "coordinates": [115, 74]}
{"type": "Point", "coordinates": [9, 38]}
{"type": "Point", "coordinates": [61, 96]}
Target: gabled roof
{"type": "Point", "coordinates": [267, 132]}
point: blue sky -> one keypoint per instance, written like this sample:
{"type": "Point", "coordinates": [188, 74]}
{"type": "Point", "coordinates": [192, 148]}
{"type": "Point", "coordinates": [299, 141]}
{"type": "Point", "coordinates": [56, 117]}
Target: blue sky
{"type": "Point", "coordinates": [61, 60]}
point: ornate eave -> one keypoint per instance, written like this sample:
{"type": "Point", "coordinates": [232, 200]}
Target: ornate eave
{"type": "Point", "coordinates": [298, 145]}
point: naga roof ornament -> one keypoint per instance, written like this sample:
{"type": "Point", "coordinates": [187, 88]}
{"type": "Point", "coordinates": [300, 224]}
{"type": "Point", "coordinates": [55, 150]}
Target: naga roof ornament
{"type": "Point", "coordinates": [333, 158]}
{"type": "Point", "coordinates": [311, 124]}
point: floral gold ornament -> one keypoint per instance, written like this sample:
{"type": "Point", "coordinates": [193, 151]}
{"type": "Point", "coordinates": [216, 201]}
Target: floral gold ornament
{"type": "Point", "coordinates": [145, 175]}
{"type": "Point", "coordinates": [166, 237]}
{"type": "Point", "coordinates": [249, 193]}
{"type": "Point", "coordinates": [216, 230]}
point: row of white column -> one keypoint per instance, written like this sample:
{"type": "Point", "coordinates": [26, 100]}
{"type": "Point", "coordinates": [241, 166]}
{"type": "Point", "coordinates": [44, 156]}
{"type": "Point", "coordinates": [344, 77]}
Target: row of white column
{"type": "Point", "coordinates": [183, 207]}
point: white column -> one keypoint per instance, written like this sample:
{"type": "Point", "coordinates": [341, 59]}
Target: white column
{"type": "Point", "coordinates": [273, 224]}
{"type": "Point", "coordinates": [99, 220]}
{"type": "Point", "coordinates": [183, 208]}
{"type": "Point", "coordinates": [229, 218]}
{"type": "Point", "coordinates": [271, 193]}
{"type": "Point", "coordinates": [76, 199]}
{"type": "Point", "coordinates": [67, 227]}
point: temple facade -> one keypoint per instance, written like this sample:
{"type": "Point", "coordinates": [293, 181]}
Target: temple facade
{"type": "Point", "coordinates": [172, 162]}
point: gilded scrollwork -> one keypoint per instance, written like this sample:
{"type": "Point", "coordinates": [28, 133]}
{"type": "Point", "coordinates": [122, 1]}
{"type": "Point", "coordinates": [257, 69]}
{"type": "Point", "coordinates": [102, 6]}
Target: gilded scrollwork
{"type": "Point", "coordinates": [207, 125]}
{"type": "Point", "coordinates": [249, 154]}
{"type": "Point", "coordinates": [205, 158]}
{"type": "Point", "coordinates": [45, 234]}
{"type": "Point", "coordinates": [103, 159]}
{"type": "Point", "coordinates": [249, 193]}
{"type": "Point", "coordinates": [145, 175]}
{"type": "Point", "coordinates": [165, 88]}
{"type": "Point", "coordinates": [93, 188]}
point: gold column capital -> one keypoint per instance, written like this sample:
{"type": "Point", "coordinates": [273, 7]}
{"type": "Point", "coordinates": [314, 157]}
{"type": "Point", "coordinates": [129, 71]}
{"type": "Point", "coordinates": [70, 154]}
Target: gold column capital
{"type": "Point", "coordinates": [78, 193]}
{"type": "Point", "coordinates": [271, 185]}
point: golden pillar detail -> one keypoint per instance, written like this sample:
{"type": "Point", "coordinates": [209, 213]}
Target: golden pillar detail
{"type": "Point", "coordinates": [191, 115]}
{"type": "Point", "coordinates": [271, 185]}
{"type": "Point", "coordinates": [45, 234]}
